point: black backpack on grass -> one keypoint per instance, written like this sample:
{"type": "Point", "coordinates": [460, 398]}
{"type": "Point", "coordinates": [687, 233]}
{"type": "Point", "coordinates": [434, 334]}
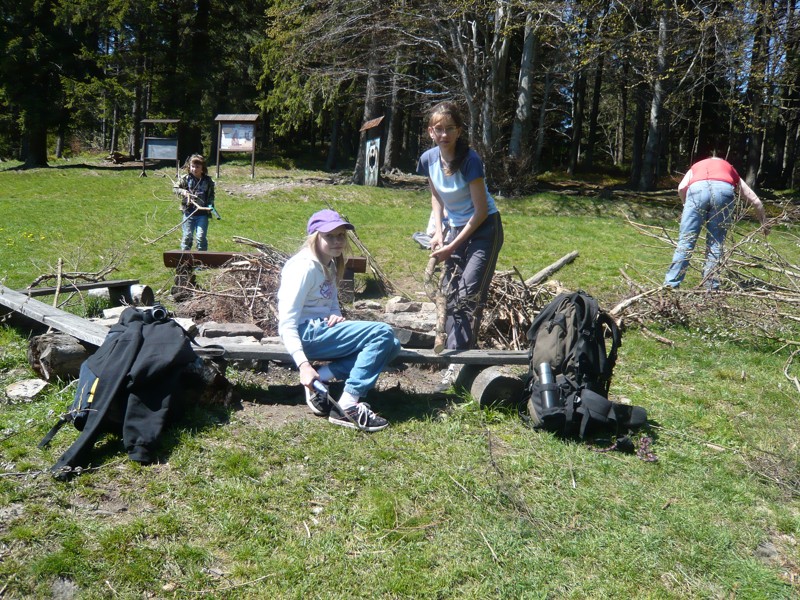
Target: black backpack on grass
{"type": "Point", "coordinates": [570, 370]}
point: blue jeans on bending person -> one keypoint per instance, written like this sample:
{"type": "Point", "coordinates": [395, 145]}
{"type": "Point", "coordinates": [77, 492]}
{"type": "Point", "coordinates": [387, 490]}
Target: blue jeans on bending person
{"type": "Point", "coordinates": [469, 272]}
{"type": "Point", "coordinates": [710, 203]}
{"type": "Point", "coordinates": [195, 227]}
{"type": "Point", "coordinates": [358, 350]}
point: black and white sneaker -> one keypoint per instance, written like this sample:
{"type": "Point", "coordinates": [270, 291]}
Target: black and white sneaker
{"type": "Point", "coordinates": [359, 416]}
{"type": "Point", "coordinates": [318, 402]}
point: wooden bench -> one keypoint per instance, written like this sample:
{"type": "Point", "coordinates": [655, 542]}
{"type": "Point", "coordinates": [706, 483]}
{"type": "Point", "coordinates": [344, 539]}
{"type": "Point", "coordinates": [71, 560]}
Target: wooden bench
{"type": "Point", "coordinates": [186, 260]}
{"type": "Point", "coordinates": [119, 290]}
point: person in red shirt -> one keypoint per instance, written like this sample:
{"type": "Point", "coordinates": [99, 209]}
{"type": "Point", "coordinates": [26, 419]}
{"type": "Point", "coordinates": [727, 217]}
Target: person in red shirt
{"type": "Point", "coordinates": [708, 192]}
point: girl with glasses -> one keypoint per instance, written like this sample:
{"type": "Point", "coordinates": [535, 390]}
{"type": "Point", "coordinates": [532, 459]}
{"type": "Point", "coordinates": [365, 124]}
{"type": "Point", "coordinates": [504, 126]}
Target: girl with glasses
{"type": "Point", "coordinates": [456, 179]}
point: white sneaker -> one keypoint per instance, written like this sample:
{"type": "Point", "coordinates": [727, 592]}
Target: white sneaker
{"type": "Point", "coordinates": [449, 377]}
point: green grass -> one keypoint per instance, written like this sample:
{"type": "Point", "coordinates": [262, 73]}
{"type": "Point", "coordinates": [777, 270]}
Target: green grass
{"type": "Point", "coordinates": [453, 503]}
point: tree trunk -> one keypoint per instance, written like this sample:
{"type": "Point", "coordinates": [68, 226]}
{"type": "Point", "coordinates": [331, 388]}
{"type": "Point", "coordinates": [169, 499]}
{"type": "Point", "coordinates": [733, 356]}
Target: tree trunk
{"type": "Point", "coordinates": [496, 83]}
{"type": "Point", "coordinates": [333, 146]}
{"type": "Point", "coordinates": [650, 163]}
{"type": "Point", "coordinates": [371, 111]}
{"type": "Point", "coordinates": [523, 115]}
{"type": "Point", "coordinates": [593, 114]}
{"type": "Point", "coordinates": [755, 98]}
{"type": "Point", "coordinates": [537, 153]}
{"type": "Point", "coordinates": [393, 123]}
{"type": "Point", "coordinates": [579, 97]}
{"type": "Point", "coordinates": [35, 153]}
{"type": "Point", "coordinates": [622, 118]}
{"type": "Point", "coordinates": [638, 134]}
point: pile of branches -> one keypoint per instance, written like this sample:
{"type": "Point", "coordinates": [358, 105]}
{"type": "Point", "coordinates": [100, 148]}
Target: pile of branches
{"type": "Point", "coordinates": [511, 303]}
{"type": "Point", "coordinates": [511, 306]}
{"type": "Point", "coordinates": [244, 290]}
{"type": "Point", "coordinates": [758, 294]}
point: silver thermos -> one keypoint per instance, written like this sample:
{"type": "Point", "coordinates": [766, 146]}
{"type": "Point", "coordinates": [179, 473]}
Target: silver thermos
{"type": "Point", "coordinates": [549, 396]}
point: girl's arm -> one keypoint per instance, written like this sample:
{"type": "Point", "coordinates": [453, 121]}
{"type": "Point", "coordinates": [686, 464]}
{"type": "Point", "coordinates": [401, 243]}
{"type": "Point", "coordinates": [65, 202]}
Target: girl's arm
{"type": "Point", "coordinates": [477, 189]}
{"type": "Point", "coordinates": [296, 282]}
{"type": "Point", "coordinates": [437, 210]}
{"type": "Point", "coordinates": [291, 296]}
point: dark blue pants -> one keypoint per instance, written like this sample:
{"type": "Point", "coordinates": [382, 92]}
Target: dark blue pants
{"type": "Point", "coordinates": [468, 274]}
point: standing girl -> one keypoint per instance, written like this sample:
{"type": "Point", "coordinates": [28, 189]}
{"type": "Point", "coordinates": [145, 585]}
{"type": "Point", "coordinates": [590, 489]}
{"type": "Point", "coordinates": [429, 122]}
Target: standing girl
{"type": "Point", "coordinates": [311, 326]}
{"type": "Point", "coordinates": [456, 179]}
{"type": "Point", "coordinates": [196, 190]}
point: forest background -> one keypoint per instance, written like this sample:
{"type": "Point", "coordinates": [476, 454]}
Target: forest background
{"type": "Point", "coordinates": [640, 88]}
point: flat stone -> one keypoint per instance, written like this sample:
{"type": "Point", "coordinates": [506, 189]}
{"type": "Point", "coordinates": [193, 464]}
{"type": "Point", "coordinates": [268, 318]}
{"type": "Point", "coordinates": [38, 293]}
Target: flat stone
{"type": "Point", "coordinates": [213, 329]}
{"type": "Point", "coordinates": [414, 321]}
{"type": "Point", "coordinates": [25, 390]}
{"type": "Point", "coordinates": [414, 339]}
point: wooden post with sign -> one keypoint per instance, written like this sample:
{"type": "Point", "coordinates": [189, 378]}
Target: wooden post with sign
{"type": "Point", "coordinates": [372, 151]}
{"type": "Point", "coordinates": [237, 133]}
{"type": "Point", "coordinates": [159, 148]}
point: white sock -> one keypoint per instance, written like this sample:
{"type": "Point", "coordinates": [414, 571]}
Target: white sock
{"type": "Point", "coordinates": [347, 400]}
{"type": "Point", "coordinates": [325, 373]}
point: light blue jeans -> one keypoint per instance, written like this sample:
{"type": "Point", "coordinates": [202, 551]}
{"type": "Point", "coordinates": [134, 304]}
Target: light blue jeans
{"type": "Point", "coordinates": [197, 227]}
{"type": "Point", "coordinates": [710, 203]}
{"type": "Point", "coordinates": [358, 350]}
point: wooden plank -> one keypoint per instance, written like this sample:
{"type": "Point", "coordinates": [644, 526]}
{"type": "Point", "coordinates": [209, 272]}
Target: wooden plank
{"type": "Point", "coordinates": [75, 287]}
{"type": "Point", "coordinates": [74, 325]}
{"type": "Point", "coordinates": [357, 264]}
{"type": "Point", "coordinates": [94, 333]}
{"type": "Point", "coordinates": [172, 258]}
{"type": "Point", "coordinates": [276, 351]}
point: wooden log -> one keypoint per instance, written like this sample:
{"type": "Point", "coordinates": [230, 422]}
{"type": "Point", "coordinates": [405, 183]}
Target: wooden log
{"type": "Point", "coordinates": [57, 355]}
{"type": "Point", "coordinates": [433, 287]}
{"type": "Point", "coordinates": [74, 325]}
{"type": "Point", "coordinates": [497, 385]}
{"type": "Point", "coordinates": [134, 295]}
{"type": "Point", "coordinates": [549, 270]}
{"type": "Point", "coordinates": [79, 287]}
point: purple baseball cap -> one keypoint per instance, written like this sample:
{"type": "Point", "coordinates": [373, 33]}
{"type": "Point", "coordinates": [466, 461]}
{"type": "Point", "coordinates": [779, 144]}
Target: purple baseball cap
{"type": "Point", "coordinates": [327, 220]}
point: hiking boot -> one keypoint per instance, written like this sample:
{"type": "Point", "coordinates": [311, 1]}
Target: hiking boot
{"type": "Point", "coordinates": [448, 379]}
{"type": "Point", "coordinates": [359, 416]}
{"type": "Point", "coordinates": [318, 402]}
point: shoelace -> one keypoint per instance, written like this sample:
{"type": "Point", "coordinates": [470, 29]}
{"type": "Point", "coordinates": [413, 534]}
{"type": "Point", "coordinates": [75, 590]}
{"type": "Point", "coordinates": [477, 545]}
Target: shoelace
{"type": "Point", "coordinates": [363, 414]}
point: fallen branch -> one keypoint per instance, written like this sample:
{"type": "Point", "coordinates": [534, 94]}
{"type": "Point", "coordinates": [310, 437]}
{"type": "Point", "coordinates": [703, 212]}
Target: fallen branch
{"type": "Point", "coordinates": [549, 270]}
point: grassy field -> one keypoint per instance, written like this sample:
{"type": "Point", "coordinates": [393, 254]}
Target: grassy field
{"type": "Point", "coordinates": [451, 501]}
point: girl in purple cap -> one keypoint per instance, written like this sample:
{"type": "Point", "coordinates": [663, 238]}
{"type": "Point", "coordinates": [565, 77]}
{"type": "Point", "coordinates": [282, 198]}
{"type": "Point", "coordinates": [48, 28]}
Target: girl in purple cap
{"type": "Point", "coordinates": [311, 326]}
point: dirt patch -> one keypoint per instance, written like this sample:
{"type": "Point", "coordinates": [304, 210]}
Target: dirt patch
{"type": "Point", "coordinates": [257, 189]}
{"type": "Point", "coordinates": [274, 398]}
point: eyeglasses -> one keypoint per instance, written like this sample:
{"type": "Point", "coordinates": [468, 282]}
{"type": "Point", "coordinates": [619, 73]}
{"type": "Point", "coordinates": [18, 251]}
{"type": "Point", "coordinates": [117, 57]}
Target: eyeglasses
{"type": "Point", "coordinates": [334, 237]}
{"type": "Point", "coordinates": [448, 130]}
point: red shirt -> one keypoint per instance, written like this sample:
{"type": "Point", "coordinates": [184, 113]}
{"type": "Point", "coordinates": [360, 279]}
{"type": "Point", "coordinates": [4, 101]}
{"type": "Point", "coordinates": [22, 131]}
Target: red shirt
{"type": "Point", "coordinates": [716, 169]}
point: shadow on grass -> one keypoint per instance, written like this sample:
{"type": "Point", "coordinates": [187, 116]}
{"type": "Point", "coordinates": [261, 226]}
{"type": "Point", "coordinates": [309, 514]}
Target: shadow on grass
{"type": "Point", "coordinates": [395, 404]}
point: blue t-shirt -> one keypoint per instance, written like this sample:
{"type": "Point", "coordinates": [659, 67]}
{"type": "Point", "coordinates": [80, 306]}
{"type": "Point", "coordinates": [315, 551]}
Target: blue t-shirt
{"type": "Point", "coordinates": [454, 189]}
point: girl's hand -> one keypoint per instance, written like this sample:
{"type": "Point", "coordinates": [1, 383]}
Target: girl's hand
{"type": "Point", "coordinates": [308, 374]}
{"type": "Point", "coordinates": [442, 253]}
{"type": "Point", "coordinates": [334, 319]}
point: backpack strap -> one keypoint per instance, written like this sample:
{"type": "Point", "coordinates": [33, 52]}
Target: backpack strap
{"type": "Point", "coordinates": [609, 359]}
{"type": "Point", "coordinates": [621, 416]}
{"type": "Point", "coordinates": [593, 406]}
{"type": "Point", "coordinates": [50, 434]}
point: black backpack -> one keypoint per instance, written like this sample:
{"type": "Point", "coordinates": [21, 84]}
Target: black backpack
{"type": "Point", "coordinates": [570, 370]}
